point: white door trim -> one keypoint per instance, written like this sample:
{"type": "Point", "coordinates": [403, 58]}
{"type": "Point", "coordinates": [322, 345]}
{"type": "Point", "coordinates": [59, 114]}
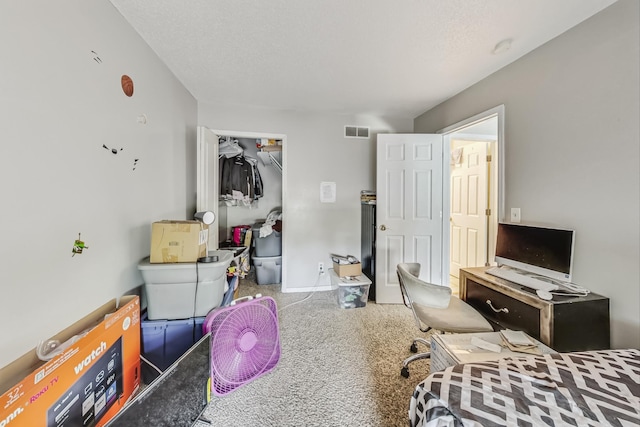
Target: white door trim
{"type": "Point", "coordinates": [498, 112]}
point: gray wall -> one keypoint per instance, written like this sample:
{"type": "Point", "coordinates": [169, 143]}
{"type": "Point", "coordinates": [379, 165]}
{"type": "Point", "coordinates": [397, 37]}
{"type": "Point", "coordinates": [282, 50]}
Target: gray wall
{"type": "Point", "coordinates": [572, 149]}
{"type": "Point", "coordinates": [315, 151]}
{"type": "Point", "coordinates": [58, 106]}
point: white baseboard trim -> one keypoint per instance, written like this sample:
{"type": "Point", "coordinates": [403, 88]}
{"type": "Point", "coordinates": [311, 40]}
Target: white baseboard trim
{"type": "Point", "coordinates": [309, 289]}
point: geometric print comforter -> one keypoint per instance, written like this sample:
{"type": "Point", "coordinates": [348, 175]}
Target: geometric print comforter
{"type": "Point", "coordinates": [589, 388]}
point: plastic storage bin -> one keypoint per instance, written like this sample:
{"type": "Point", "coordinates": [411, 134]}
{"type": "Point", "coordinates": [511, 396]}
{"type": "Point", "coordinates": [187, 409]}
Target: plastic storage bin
{"type": "Point", "coordinates": [269, 246]}
{"type": "Point", "coordinates": [164, 341]}
{"type": "Point", "coordinates": [172, 289]}
{"type": "Point", "coordinates": [353, 292]}
{"type": "Point", "coordinates": [268, 269]}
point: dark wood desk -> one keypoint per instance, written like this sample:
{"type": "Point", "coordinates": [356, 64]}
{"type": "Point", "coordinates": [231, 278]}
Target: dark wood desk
{"type": "Point", "coordinates": [564, 323]}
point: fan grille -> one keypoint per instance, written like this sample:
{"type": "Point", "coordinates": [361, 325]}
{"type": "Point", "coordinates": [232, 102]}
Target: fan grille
{"type": "Point", "coordinates": [245, 343]}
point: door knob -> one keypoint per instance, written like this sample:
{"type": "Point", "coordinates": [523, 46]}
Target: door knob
{"type": "Point", "coordinates": [383, 227]}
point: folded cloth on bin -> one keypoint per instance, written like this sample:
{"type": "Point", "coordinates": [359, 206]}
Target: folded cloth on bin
{"type": "Point", "coordinates": [270, 223]}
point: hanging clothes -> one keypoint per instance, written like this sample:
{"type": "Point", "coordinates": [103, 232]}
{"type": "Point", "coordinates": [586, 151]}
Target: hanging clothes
{"type": "Point", "coordinates": [240, 180]}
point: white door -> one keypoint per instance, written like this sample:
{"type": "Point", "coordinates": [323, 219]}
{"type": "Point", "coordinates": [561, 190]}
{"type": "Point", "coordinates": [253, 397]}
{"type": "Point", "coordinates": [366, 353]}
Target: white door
{"type": "Point", "coordinates": [207, 188]}
{"type": "Point", "coordinates": [409, 209]}
{"type": "Point", "coordinates": [469, 203]}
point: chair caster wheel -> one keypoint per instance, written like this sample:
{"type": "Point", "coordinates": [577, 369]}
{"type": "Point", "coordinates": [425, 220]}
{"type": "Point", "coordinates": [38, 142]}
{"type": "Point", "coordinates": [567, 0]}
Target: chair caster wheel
{"type": "Point", "coordinates": [404, 372]}
{"type": "Point", "coordinates": [414, 348]}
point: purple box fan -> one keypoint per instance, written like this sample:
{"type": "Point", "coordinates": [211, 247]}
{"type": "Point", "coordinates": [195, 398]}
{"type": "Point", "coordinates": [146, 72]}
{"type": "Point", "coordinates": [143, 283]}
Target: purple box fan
{"type": "Point", "coordinates": [245, 342]}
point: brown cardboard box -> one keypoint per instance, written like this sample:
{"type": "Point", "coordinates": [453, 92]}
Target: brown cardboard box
{"type": "Point", "coordinates": [178, 241]}
{"type": "Point", "coordinates": [343, 270]}
{"type": "Point", "coordinates": [88, 382]}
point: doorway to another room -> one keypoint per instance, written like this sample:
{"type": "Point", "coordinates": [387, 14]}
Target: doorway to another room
{"type": "Point", "coordinates": [475, 155]}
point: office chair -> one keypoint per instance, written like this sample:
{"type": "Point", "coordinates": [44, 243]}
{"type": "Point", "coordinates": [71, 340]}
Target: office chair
{"type": "Point", "coordinates": [435, 308]}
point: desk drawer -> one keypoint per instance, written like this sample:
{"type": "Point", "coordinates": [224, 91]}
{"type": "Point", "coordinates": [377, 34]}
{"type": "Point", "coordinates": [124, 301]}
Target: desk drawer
{"type": "Point", "coordinates": [511, 313]}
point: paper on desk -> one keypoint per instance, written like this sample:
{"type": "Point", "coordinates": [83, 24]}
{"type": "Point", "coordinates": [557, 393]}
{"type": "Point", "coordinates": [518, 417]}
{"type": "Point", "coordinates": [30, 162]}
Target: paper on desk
{"type": "Point", "coordinates": [531, 349]}
{"type": "Point", "coordinates": [486, 345]}
{"type": "Point", "coordinates": [519, 342]}
{"type": "Point", "coordinates": [516, 337]}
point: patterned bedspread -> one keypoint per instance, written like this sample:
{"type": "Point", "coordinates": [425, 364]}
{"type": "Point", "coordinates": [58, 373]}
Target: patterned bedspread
{"type": "Point", "coordinates": [590, 388]}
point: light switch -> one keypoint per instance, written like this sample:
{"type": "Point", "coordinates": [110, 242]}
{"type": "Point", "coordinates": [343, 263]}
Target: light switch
{"type": "Point", "coordinates": [515, 214]}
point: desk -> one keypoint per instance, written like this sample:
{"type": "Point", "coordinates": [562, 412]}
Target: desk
{"type": "Point", "coordinates": [176, 398]}
{"type": "Point", "coordinates": [564, 323]}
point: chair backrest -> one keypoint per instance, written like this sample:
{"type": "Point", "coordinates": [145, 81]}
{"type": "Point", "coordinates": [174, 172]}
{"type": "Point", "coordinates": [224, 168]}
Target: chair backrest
{"type": "Point", "coordinates": [418, 291]}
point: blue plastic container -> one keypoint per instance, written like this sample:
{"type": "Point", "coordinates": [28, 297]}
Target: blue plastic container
{"type": "Point", "coordinates": [164, 341]}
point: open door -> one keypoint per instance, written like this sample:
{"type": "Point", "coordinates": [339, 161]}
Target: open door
{"type": "Point", "coordinates": [409, 195]}
{"type": "Point", "coordinates": [469, 206]}
{"type": "Point", "coordinates": [207, 190]}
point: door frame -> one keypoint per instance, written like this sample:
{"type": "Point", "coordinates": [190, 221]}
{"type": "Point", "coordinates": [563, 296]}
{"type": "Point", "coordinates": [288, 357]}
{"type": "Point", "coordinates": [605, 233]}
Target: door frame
{"type": "Point", "coordinates": [283, 138]}
{"type": "Point", "coordinates": [499, 113]}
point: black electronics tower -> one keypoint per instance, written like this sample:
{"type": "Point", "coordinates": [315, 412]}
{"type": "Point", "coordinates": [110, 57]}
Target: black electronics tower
{"type": "Point", "coordinates": [368, 245]}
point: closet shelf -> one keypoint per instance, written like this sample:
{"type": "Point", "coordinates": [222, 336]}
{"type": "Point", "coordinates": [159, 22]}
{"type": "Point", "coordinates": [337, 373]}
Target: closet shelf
{"type": "Point", "coordinates": [268, 160]}
{"type": "Point", "coordinates": [271, 148]}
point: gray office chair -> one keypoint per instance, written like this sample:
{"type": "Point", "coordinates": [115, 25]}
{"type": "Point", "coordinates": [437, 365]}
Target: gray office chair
{"type": "Point", "coordinates": [435, 308]}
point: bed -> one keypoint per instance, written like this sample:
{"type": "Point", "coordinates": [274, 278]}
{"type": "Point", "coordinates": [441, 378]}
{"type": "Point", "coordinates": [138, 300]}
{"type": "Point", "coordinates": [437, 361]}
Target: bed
{"type": "Point", "coordinates": [590, 388]}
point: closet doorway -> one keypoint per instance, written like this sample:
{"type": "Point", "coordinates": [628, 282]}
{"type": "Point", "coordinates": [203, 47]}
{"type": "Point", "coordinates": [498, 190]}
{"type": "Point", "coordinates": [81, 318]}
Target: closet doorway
{"type": "Point", "coordinates": [475, 165]}
{"type": "Point", "coordinates": [268, 152]}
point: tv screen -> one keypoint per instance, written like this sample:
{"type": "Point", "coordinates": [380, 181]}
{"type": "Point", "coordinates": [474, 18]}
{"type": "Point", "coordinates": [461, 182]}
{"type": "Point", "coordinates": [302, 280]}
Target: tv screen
{"type": "Point", "coordinates": [544, 251]}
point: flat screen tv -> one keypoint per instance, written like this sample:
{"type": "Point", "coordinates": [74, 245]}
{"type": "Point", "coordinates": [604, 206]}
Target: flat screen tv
{"type": "Point", "coordinates": [543, 251]}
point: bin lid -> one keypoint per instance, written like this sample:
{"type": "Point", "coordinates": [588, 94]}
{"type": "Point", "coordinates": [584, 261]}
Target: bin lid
{"type": "Point", "coordinates": [224, 259]}
{"type": "Point", "coordinates": [348, 280]}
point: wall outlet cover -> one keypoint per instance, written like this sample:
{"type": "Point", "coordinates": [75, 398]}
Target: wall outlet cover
{"type": "Point", "coordinates": [515, 214]}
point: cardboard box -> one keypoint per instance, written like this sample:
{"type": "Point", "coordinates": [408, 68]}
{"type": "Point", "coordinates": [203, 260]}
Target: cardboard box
{"type": "Point", "coordinates": [87, 383]}
{"type": "Point", "coordinates": [343, 270]}
{"type": "Point", "coordinates": [178, 241]}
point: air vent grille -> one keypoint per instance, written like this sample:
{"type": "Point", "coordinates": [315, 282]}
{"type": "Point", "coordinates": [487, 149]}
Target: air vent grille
{"type": "Point", "coordinates": [356, 132]}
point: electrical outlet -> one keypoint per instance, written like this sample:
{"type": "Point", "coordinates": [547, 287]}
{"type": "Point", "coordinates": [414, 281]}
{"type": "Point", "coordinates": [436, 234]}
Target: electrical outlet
{"type": "Point", "coordinates": [321, 267]}
{"type": "Point", "coordinates": [515, 214]}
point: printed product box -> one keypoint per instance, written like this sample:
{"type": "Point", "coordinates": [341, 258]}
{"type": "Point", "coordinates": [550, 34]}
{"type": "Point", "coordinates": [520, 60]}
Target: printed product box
{"type": "Point", "coordinates": [178, 241]}
{"type": "Point", "coordinates": [87, 383]}
{"type": "Point", "coordinates": [344, 270]}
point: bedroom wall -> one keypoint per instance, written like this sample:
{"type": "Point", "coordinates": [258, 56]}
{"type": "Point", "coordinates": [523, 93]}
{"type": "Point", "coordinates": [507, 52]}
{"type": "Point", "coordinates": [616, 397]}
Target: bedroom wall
{"type": "Point", "coordinates": [572, 149]}
{"type": "Point", "coordinates": [316, 151]}
{"type": "Point", "coordinates": [61, 101]}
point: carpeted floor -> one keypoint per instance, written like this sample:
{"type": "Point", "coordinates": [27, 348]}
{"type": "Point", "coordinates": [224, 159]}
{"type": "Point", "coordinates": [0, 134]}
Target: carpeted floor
{"type": "Point", "coordinates": [338, 367]}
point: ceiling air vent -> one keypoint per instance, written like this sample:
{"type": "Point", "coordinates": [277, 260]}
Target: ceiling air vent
{"type": "Point", "coordinates": [356, 132]}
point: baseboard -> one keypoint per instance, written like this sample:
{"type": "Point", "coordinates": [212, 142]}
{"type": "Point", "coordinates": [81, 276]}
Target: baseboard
{"type": "Point", "coordinates": [309, 289]}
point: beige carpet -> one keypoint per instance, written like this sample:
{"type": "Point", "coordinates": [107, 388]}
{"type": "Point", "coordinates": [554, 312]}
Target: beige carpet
{"type": "Point", "coordinates": [338, 367]}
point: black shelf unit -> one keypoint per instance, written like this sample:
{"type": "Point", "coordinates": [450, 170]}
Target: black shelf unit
{"type": "Point", "coordinates": [368, 246]}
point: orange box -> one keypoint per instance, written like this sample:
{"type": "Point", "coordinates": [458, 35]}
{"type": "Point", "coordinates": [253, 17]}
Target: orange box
{"type": "Point", "coordinates": [88, 382]}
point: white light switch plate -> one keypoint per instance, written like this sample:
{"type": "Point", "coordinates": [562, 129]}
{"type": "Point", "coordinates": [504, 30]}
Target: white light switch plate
{"type": "Point", "coordinates": [515, 214]}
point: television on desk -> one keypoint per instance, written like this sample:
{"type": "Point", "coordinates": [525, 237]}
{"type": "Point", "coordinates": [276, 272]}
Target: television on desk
{"type": "Point", "coordinates": [541, 251]}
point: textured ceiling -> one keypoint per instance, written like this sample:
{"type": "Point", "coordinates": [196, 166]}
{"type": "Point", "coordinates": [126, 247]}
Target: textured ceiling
{"type": "Point", "coordinates": [391, 57]}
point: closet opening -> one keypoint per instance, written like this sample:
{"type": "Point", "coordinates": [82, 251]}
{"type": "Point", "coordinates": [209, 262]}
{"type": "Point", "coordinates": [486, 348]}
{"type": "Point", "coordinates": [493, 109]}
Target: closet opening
{"type": "Point", "coordinates": [241, 178]}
